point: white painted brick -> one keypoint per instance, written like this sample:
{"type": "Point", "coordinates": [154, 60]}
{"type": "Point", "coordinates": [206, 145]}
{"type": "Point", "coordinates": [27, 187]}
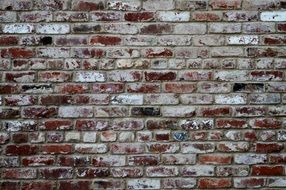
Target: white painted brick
{"type": "Point", "coordinates": [276, 16]}
{"type": "Point", "coordinates": [71, 111]}
{"type": "Point", "coordinates": [198, 170]}
{"type": "Point", "coordinates": [171, 16]}
{"type": "Point", "coordinates": [190, 28]}
{"type": "Point", "coordinates": [240, 40]}
{"type": "Point", "coordinates": [91, 148]}
{"type": "Point", "coordinates": [127, 99]}
{"type": "Point", "coordinates": [89, 76]}
{"type": "Point", "coordinates": [130, 5]}
{"type": "Point", "coordinates": [143, 184]}
{"type": "Point", "coordinates": [53, 29]}
{"type": "Point", "coordinates": [231, 99]}
{"type": "Point", "coordinates": [182, 111]}
{"type": "Point", "coordinates": [72, 136]}
{"type": "Point", "coordinates": [89, 137]}
{"type": "Point", "coordinates": [158, 5]}
{"type": "Point", "coordinates": [250, 158]}
{"type": "Point", "coordinates": [18, 28]}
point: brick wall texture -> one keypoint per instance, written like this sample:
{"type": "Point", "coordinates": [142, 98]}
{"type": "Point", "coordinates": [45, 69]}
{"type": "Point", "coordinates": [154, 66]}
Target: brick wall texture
{"type": "Point", "coordinates": [142, 94]}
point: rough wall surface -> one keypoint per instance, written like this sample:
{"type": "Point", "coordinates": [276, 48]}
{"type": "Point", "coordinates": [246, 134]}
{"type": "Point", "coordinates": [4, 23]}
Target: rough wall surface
{"type": "Point", "coordinates": [142, 94]}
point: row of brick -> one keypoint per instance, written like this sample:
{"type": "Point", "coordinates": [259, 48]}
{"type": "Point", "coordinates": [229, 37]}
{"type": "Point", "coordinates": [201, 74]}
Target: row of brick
{"type": "Point", "coordinates": [135, 5]}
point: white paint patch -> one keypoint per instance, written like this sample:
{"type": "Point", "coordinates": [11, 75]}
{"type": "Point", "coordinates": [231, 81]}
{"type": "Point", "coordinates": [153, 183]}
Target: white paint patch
{"type": "Point", "coordinates": [18, 28]}
{"type": "Point", "coordinates": [243, 40]}
{"type": "Point", "coordinates": [89, 76]}
{"type": "Point", "coordinates": [230, 99]}
{"type": "Point", "coordinates": [127, 99]}
{"type": "Point", "coordinates": [169, 16]}
{"type": "Point", "coordinates": [53, 29]}
{"type": "Point", "coordinates": [276, 16]}
{"type": "Point", "coordinates": [250, 158]}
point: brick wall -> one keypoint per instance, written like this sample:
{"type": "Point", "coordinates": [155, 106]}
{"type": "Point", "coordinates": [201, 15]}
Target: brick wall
{"type": "Point", "coordinates": [142, 94]}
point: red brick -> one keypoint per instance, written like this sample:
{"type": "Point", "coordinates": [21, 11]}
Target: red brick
{"type": "Point", "coordinates": [214, 183]}
{"type": "Point", "coordinates": [267, 170]}
{"type": "Point", "coordinates": [56, 149]}
{"type": "Point", "coordinates": [105, 40]}
{"type": "Point", "coordinates": [139, 17]}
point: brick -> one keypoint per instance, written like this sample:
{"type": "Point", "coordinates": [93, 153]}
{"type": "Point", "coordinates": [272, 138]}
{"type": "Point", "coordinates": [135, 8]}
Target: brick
{"type": "Point", "coordinates": [127, 172]}
{"type": "Point", "coordinates": [257, 28]}
{"type": "Point", "coordinates": [89, 76]}
{"type": "Point", "coordinates": [249, 182]}
{"type": "Point", "coordinates": [277, 182]}
{"type": "Point", "coordinates": [56, 173]}
{"type": "Point", "coordinates": [19, 173]}
{"type": "Point", "coordinates": [38, 161]}
{"type": "Point", "coordinates": [169, 16]}
{"type": "Point", "coordinates": [90, 148]}
{"type": "Point", "coordinates": [71, 16]}
{"type": "Point", "coordinates": [53, 52]}
{"type": "Point", "coordinates": [225, 5]}
{"type": "Point", "coordinates": [128, 148]}
{"type": "Point", "coordinates": [56, 149]}
{"type": "Point", "coordinates": [206, 16]}
{"type": "Point", "coordinates": [193, 28]}
{"type": "Point", "coordinates": [163, 147]}
{"type": "Point", "coordinates": [36, 16]}
{"type": "Point", "coordinates": [52, 5]}
{"type": "Point", "coordinates": [155, 171]}
{"type": "Point", "coordinates": [121, 76]}
{"type": "Point", "coordinates": [38, 185]}
{"type": "Point", "coordinates": [17, 5]}
{"type": "Point", "coordinates": [247, 40]}
{"type": "Point", "coordinates": [259, 5]}
{"type": "Point", "coordinates": [156, 29]}
{"type": "Point", "coordinates": [201, 170]}
{"type": "Point", "coordinates": [86, 28]}
{"type": "Point", "coordinates": [139, 17]}
{"type": "Point", "coordinates": [104, 161]}
{"type": "Point", "coordinates": [183, 111]}
{"type": "Point", "coordinates": [53, 29]}
{"type": "Point", "coordinates": [210, 183]}
{"type": "Point", "coordinates": [232, 170]}
{"type": "Point", "coordinates": [215, 159]}
{"type": "Point", "coordinates": [229, 28]}
{"type": "Point", "coordinates": [273, 16]}
{"type": "Point", "coordinates": [124, 5]}
{"type": "Point", "coordinates": [39, 112]}
{"type": "Point", "coordinates": [121, 28]}
{"type": "Point", "coordinates": [143, 183]}
{"type": "Point", "coordinates": [197, 147]}
{"type": "Point", "coordinates": [56, 124]}
{"type": "Point", "coordinates": [106, 16]}
{"type": "Point", "coordinates": [267, 170]}
{"type": "Point", "coordinates": [105, 40]}
{"type": "Point", "coordinates": [243, 16]}
{"type": "Point", "coordinates": [71, 112]}
{"type": "Point", "coordinates": [21, 150]}
{"type": "Point", "coordinates": [88, 5]}
{"type": "Point", "coordinates": [171, 183]}
{"type": "Point", "coordinates": [17, 53]}
{"type": "Point", "coordinates": [158, 5]}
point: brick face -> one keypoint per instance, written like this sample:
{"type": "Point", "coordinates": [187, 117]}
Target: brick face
{"type": "Point", "coordinates": [142, 94]}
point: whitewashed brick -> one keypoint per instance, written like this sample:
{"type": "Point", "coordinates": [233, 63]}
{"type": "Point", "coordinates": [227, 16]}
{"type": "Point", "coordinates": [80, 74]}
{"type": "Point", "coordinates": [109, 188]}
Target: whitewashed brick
{"type": "Point", "coordinates": [171, 16]}
{"type": "Point", "coordinates": [231, 99]}
{"type": "Point", "coordinates": [53, 29]}
{"type": "Point", "coordinates": [73, 112]}
{"type": "Point", "coordinates": [143, 183]}
{"type": "Point", "coordinates": [276, 16]}
{"type": "Point", "coordinates": [127, 99]}
{"type": "Point", "coordinates": [241, 40]}
{"type": "Point", "coordinates": [18, 28]}
{"type": "Point", "coordinates": [89, 76]}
